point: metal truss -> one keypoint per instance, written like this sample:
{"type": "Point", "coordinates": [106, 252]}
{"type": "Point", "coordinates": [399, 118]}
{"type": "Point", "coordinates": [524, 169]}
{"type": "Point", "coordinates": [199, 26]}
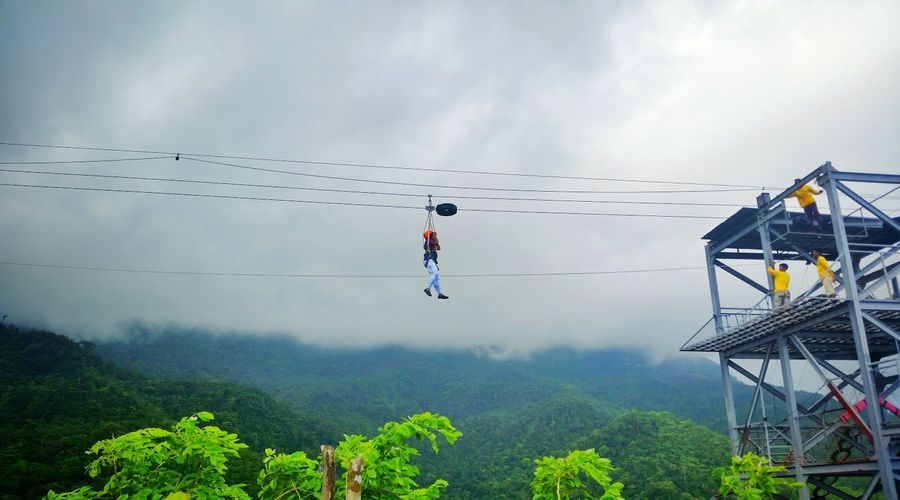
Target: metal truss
{"type": "Point", "coordinates": [849, 428]}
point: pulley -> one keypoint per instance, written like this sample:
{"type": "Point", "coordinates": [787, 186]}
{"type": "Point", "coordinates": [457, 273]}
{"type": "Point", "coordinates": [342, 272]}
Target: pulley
{"type": "Point", "coordinates": [445, 209]}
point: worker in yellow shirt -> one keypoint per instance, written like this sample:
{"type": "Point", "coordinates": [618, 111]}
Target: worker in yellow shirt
{"type": "Point", "coordinates": [781, 296]}
{"type": "Point", "coordinates": [808, 203]}
{"type": "Point", "coordinates": [826, 275]}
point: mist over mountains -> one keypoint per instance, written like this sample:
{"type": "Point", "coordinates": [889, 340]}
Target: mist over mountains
{"type": "Point", "coordinates": [383, 382]}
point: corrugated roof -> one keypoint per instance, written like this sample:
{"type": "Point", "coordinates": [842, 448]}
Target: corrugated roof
{"type": "Point", "coordinates": [792, 231]}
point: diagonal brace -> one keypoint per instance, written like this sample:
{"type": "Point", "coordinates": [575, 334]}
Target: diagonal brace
{"type": "Point", "coordinates": [830, 489]}
{"type": "Point", "coordinates": [870, 289]}
{"type": "Point", "coordinates": [881, 325]}
{"type": "Point", "coordinates": [762, 376]}
{"type": "Point", "coordinates": [780, 395]}
{"type": "Point", "coordinates": [838, 396]}
{"type": "Point", "coordinates": [741, 276]}
{"type": "Point", "coordinates": [885, 218]}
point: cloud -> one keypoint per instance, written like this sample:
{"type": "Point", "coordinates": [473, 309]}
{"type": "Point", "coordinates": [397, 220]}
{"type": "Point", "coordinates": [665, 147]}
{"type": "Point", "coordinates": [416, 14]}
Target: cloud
{"type": "Point", "coordinates": [736, 92]}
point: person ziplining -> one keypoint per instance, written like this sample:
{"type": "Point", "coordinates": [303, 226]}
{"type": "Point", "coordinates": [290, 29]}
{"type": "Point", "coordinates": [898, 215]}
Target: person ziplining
{"type": "Point", "coordinates": [432, 245]}
{"type": "Point", "coordinates": [430, 260]}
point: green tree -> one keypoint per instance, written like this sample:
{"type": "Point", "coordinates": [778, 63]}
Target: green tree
{"type": "Point", "coordinates": [150, 462]}
{"type": "Point", "coordinates": [294, 475]}
{"type": "Point", "coordinates": [560, 478]}
{"type": "Point", "coordinates": [659, 455]}
{"type": "Point", "coordinates": [58, 398]}
{"type": "Point", "coordinates": [192, 458]}
{"type": "Point", "coordinates": [751, 477]}
{"type": "Point", "coordinates": [388, 473]}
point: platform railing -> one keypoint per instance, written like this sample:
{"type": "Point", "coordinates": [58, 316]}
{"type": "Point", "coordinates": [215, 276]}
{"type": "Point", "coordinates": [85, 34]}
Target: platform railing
{"type": "Point", "coordinates": [878, 276]}
{"type": "Point", "coordinates": [736, 317]}
{"type": "Point", "coordinates": [768, 440]}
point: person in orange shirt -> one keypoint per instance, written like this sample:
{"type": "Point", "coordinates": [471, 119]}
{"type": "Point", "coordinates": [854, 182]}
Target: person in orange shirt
{"type": "Point", "coordinates": [781, 295]}
{"type": "Point", "coordinates": [808, 203]}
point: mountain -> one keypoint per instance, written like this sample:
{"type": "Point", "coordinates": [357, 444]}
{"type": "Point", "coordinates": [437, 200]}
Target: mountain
{"type": "Point", "coordinates": [372, 385]}
{"type": "Point", "coordinates": [510, 412]}
{"type": "Point", "coordinates": [58, 398]}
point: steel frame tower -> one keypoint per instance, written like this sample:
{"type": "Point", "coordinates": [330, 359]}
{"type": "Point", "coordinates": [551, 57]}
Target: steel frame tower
{"type": "Point", "coordinates": [851, 344]}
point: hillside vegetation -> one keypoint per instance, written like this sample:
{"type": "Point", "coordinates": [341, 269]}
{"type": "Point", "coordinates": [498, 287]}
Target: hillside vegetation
{"type": "Point", "coordinates": [61, 397]}
{"type": "Point", "coordinates": [57, 398]}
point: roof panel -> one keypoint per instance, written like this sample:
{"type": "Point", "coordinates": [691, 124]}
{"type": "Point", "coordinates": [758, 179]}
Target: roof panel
{"type": "Point", "coordinates": [792, 231]}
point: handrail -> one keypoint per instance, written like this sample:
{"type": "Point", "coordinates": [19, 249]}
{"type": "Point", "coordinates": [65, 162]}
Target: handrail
{"type": "Point", "coordinates": [688, 341]}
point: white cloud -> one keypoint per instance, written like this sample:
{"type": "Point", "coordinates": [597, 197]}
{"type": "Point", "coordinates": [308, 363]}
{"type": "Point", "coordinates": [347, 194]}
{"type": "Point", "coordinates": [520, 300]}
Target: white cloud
{"type": "Point", "coordinates": [743, 92]}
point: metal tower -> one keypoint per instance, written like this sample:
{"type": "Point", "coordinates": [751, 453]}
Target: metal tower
{"type": "Point", "coordinates": [844, 438]}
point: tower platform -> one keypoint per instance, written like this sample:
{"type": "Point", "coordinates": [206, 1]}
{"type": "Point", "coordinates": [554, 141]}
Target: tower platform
{"type": "Point", "coordinates": [822, 324]}
{"type": "Point", "coordinates": [843, 439]}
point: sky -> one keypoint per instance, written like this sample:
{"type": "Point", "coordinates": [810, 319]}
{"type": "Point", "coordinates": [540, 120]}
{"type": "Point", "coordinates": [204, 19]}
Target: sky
{"type": "Point", "coordinates": [754, 93]}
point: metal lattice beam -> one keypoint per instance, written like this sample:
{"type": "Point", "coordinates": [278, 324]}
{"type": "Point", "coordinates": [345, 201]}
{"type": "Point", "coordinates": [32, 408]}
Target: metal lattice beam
{"type": "Point", "coordinates": [860, 337]}
{"type": "Point", "coordinates": [741, 276]}
{"type": "Point", "coordinates": [856, 329]}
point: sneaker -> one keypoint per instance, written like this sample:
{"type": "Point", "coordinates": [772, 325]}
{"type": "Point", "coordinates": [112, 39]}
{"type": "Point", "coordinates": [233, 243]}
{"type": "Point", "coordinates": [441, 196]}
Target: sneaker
{"type": "Point", "coordinates": [428, 292]}
{"type": "Point", "coordinates": [442, 296]}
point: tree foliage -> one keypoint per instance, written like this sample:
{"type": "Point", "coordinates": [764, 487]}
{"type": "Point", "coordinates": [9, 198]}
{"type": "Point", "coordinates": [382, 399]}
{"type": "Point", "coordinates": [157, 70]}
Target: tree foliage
{"type": "Point", "coordinates": [387, 474]}
{"type": "Point", "coordinates": [192, 459]}
{"type": "Point", "coordinates": [659, 455]}
{"type": "Point", "coordinates": [291, 475]}
{"type": "Point", "coordinates": [150, 462]}
{"type": "Point", "coordinates": [561, 478]}
{"type": "Point", "coordinates": [751, 477]}
{"type": "Point", "coordinates": [59, 398]}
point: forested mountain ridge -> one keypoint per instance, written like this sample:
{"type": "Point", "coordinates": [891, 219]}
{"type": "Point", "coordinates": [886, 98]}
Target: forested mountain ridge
{"type": "Point", "coordinates": [509, 411]}
{"type": "Point", "coordinates": [388, 380]}
{"type": "Point", "coordinates": [59, 397]}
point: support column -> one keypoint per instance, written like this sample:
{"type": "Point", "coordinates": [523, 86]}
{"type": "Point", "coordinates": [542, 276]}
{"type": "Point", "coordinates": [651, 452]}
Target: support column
{"type": "Point", "coordinates": [860, 339]}
{"type": "Point", "coordinates": [723, 360]}
{"type": "Point", "coordinates": [765, 237]}
{"type": "Point", "coordinates": [793, 415]}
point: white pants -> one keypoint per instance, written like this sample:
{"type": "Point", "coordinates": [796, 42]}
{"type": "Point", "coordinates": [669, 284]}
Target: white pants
{"type": "Point", "coordinates": [780, 300]}
{"type": "Point", "coordinates": [435, 281]}
{"type": "Point", "coordinates": [828, 285]}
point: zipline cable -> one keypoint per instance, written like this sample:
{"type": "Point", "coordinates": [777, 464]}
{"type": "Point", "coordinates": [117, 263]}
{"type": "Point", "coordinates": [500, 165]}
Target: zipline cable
{"type": "Point", "coordinates": [361, 165]}
{"type": "Point", "coordinates": [203, 195]}
{"type": "Point", "coordinates": [319, 202]}
{"type": "Point", "coordinates": [353, 191]}
{"type": "Point", "coordinates": [104, 160]}
{"type": "Point", "coordinates": [384, 276]}
{"type": "Point", "coordinates": [387, 167]}
{"type": "Point", "coordinates": [444, 186]}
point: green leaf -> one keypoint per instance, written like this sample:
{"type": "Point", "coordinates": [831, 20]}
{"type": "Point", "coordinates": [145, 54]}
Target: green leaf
{"type": "Point", "coordinates": [205, 416]}
{"type": "Point", "coordinates": [154, 432]}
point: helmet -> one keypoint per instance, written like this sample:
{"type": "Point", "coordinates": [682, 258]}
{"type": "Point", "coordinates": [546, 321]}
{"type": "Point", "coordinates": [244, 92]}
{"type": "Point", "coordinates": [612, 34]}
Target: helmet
{"type": "Point", "coordinates": [427, 233]}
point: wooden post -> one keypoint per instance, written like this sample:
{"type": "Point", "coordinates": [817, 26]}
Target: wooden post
{"type": "Point", "coordinates": [328, 472]}
{"type": "Point", "coordinates": [354, 478]}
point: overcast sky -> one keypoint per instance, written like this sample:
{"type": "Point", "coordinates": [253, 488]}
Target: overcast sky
{"type": "Point", "coordinates": [751, 92]}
